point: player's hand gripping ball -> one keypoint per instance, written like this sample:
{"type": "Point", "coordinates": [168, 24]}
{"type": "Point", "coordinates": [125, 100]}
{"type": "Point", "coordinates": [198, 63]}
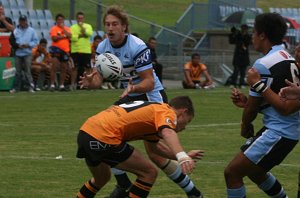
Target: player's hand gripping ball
{"type": "Point", "coordinates": [110, 66]}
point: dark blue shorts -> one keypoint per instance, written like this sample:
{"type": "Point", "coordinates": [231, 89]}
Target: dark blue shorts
{"type": "Point", "coordinates": [95, 151]}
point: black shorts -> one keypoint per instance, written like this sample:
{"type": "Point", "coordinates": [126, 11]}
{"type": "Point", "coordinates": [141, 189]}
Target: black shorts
{"type": "Point", "coordinates": [61, 55]}
{"type": "Point", "coordinates": [141, 97]}
{"type": "Point", "coordinates": [96, 152]}
{"type": "Point", "coordinates": [268, 149]}
{"type": "Point", "coordinates": [81, 60]}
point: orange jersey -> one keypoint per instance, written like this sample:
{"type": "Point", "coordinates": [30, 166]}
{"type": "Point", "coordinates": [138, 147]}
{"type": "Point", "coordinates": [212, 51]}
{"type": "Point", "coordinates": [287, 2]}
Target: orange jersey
{"type": "Point", "coordinates": [195, 71]}
{"type": "Point", "coordinates": [63, 44]}
{"type": "Point", "coordinates": [138, 120]}
{"type": "Point", "coordinates": [39, 56]}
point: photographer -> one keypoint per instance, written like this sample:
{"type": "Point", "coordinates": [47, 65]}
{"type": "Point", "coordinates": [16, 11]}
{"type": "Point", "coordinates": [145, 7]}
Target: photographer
{"type": "Point", "coordinates": [242, 40]}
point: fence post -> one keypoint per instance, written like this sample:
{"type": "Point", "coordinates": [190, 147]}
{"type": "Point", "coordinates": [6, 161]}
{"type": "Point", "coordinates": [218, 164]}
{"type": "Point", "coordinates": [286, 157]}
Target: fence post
{"type": "Point", "coordinates": [72, 9]}
{"type": "Point", "coordinates": [45, 5]}
{"type": "Point", "coordinates": [99, 16]}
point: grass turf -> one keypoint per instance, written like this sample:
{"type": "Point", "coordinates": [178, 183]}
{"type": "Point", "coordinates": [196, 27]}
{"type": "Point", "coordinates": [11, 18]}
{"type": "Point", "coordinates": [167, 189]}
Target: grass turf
{"type": "Point", "coordinates": [37, 128]}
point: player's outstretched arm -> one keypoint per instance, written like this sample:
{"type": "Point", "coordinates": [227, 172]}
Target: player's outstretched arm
{"type": "Point", "coordinates": [284, 107]}
{"type": "Point", "coordinates": [90, 81]}
{"type": "Point", "coordinates": [196, 154]}
{"type": "Point", "coordinates": [160, 148]}
{"type": "Point", "coordinates": [292, 92]}
{"type": "Point", "coordinates": [238, 98]}
{"type": "Point", "coordinates": [170, 137]}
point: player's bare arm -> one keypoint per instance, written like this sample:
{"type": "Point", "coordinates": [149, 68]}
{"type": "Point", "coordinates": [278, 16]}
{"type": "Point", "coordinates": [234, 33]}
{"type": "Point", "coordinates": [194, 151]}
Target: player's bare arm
{"type": "Point", "coordinates": [284, 107]}
{"type": "Point", "coordinates": [146, 85]}
{"type": "Point", "coordinates": [90, 81]}
{"type": "Point", "coordinates": [160, 148]}
{"type": "Point", "coordinates": [291, 92]}
{"type": "Point", "coordinates": [249, 114]}
{"type": "Point", "coordinates": [238, 98]}
{"type": "Point", "coordinates": [172, 140]}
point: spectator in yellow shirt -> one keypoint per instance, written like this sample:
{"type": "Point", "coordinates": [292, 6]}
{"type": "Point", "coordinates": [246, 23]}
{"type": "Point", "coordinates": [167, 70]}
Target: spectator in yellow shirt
{"type": "Point", "coordinates": [80, 47]}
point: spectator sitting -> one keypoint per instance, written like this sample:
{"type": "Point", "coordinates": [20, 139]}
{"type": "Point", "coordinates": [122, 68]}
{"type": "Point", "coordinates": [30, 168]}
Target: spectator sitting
{"type": "Point", "coordinates": [192, 74]}
{"type": "Point", "coordinates": [42, 62]}
{"type": "Point", "coordinates": [26, 39]}
{"type": "Point", "coordinates": [60, 49]}
{"type": "Point", "coordinates": [97, 39]}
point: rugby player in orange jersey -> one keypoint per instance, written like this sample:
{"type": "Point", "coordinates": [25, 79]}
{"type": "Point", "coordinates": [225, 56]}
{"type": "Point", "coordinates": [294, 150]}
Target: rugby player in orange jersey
{"type": "Point", "coordinates": [140, 83]}
{"type": "Point", "coordinates": [103, 138]}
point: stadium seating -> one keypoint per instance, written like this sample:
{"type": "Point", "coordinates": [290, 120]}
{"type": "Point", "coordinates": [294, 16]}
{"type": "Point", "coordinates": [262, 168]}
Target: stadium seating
{"type": "Point", "coordinates": [24, 12]}
{"type": "Point", "coordinates": [40, 14]}
{"type": "Point", "coordinates": [34, 23]}
{"type": "Point", "coordinates": [5, 3]}
{"type": "Point", "coordinates": [48, 14]}
{"type": "Point", "coordinates": [21, 3]}
{"type": "Point", "coordinates": [50, 23]}
{"type": "Point", "coordinates": [227, 10]}
{"type": "Point", "coordinates": [8, 13]}
{"type": "Point", "coordinates": [39, 34]}
{"type": "Point", "coordinates": [32, 14]}
{"type": "Point", "coordinates": [46, 34]}
{"type": "Point", "coordinates": [67, 23]}
{"type": "Point", "coordinates": [73, 22]}
{"type": "Point", "coordinates": [13, 4]}
{"type": "Point", "coordinates": [43, 23]}
{"type": "Point", "coordinates": [15, 13]}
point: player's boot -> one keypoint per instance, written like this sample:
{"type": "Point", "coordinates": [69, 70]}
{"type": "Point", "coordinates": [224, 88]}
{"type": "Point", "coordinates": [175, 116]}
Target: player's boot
{"type": "Point", "coordinates": [119, 192]}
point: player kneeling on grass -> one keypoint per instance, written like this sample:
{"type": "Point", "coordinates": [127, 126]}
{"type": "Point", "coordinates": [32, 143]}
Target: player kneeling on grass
{"type": "Point", "coordinates": [103, 138]}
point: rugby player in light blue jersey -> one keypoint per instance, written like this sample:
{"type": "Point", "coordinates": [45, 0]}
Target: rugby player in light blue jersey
{"type": "Point", "coordinates": [140, 83]}
{"type": "Point", "coordinates": [281, 120]}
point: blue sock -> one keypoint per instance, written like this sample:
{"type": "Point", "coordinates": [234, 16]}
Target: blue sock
{"type": "Point", "coordinates": [272, 187]}
{"type": "Point", "coordinates": [236, 192]}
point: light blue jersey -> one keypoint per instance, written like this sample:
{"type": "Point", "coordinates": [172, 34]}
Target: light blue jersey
{"type": "Point", "coordinates": [135, 57]}
{"type": "Point", "coordinates": [274, 68]}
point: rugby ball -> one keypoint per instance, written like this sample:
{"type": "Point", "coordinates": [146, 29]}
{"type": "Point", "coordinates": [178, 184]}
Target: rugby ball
{"type": "Point", "coordinates": [110, 66]}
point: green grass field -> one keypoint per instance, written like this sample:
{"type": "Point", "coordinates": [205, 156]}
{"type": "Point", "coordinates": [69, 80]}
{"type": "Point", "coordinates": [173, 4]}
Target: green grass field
{"type": "Point", "coordinates": [36, 128]}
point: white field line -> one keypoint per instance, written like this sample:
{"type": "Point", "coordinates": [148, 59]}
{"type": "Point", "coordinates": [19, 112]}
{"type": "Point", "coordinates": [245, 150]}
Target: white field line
{"type": "Point", "coordinates": [14, 123]}
{"type": "Point", "coordinates": [212, 125]}
{"type": "Point", "coordinates": [17, 157]}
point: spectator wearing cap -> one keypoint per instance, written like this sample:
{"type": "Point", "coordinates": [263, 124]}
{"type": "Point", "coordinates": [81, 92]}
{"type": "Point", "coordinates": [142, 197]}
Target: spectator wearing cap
{"type": "Point", "coordinates": [26, 39]}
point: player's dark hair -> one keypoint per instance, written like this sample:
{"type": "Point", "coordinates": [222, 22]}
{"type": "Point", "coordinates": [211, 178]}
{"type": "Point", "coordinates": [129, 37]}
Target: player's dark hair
{"type": "Point", "coordinates": [151, 38]}
{"type": "Point", "coordinates": [194, 55]}
{"type": "Point", "coordinates": [97, 37]}
{"type": "Point", "coordinates": [79, 13]}
{"type": "Point", "coordinates": [272, 25]}
{"type": "Point", "coordinates": [59, 15]}
{"type": "Point", "coordinates": [43, 40]}
{"type": "Point", "coordinates": [119, 13]}
{"type": "Point", "coordinates": [180, 102]}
